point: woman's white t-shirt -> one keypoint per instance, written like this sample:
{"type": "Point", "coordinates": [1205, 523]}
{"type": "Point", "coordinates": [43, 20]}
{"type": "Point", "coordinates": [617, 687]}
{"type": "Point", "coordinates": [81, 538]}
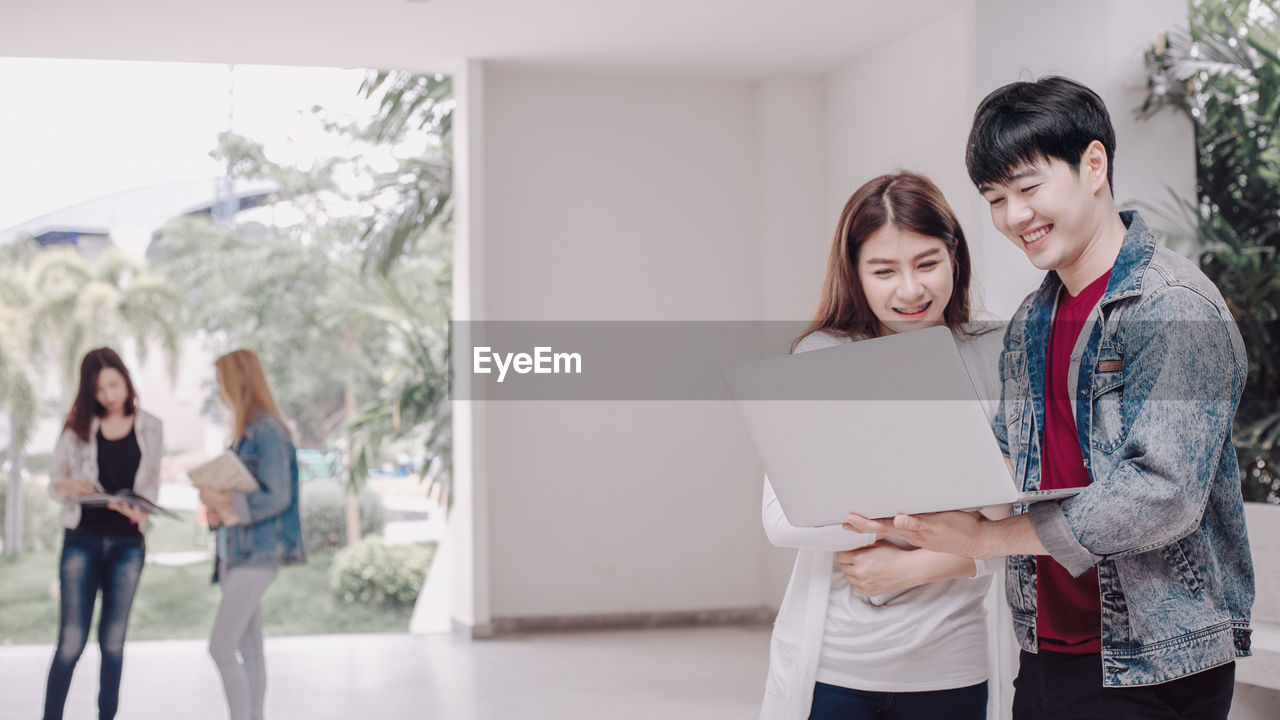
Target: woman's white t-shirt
{"type": "Point", "coordinates": [932, 637]}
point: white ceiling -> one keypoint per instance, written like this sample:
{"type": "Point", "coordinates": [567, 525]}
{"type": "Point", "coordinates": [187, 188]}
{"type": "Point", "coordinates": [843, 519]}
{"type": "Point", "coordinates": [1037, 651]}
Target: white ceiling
{"type": "Point", "coordinates": [708, 38]}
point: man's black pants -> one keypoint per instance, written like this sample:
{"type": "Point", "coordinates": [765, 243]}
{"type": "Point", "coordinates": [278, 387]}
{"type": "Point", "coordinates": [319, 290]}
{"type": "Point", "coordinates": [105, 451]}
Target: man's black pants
{"type": "Point", "coordinates": [1062, 686]}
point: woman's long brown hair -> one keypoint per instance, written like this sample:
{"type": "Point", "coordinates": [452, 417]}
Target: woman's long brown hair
{"type": "Point", "coordinates": [907, 201]}
{"type": "Point", "coordinates": [244, 384]}
{"type": "Point", "coordinates": [86, 406]}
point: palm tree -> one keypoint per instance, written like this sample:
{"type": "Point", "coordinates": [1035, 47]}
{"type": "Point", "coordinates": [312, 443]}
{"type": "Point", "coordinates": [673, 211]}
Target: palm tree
{"type": "Point", "coordinates": [417, 196]}
{"type": "Point", "coordinates": [407, 241]}
{"type": "Point", "coordinates": [391, 364]}
{"type": "Point", "coordinates": [85, 304]}
{"type": "Point", "coordinates": [55, 304]}
{"type": "Point", "coordinates": [403, 236]}
{"type": "Point", "coordinates": [17, 391]}
{"type": "Point", "coordinates": [412, 400]}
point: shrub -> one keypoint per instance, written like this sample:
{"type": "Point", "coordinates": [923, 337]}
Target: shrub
{"type": "Point", "coordinates": [41, 522]}
{"type": "Point", "coordinates": [371, 571]}
{"type": "Point", "coordinates": [324, 514]}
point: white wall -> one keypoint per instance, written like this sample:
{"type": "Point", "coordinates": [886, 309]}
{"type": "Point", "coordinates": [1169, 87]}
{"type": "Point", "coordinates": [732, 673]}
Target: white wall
{"type": "Point", "coordinates": [618, 199]}
{"type": "Point", "coordinates": [1100, 44]}
{"type": "Point", "coordinates": [794, 227]}
{"type": "Point", "coordinates": [599, 198]}
{"type": "Point", "coordinates": [906, 105]}
{"type": "Point", "coordinates": [794, 230]}
{"type": "Point", "coordinates": [566, 159]}
{"type": "Point", "coordinates": [903, 105]}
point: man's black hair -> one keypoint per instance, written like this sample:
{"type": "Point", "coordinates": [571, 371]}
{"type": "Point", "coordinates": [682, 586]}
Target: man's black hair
{"type": "Point", "coordinates": [1026, 122]}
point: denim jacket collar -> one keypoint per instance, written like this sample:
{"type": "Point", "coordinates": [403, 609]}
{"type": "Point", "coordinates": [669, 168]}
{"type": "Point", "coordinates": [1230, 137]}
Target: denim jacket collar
{"type": "Point", "coordinates": [1137, 249]}
{"type": "Point", "coordinates": [1131, 264]}
{"type": "Point", "coordinates": [1130, 267]}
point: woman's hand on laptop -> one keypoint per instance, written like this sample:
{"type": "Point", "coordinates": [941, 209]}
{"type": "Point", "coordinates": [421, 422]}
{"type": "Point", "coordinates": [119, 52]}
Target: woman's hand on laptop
{"type": "Point", "coordinates": [884, 568]}
{"type": "Point", "coordinates": [877, 569]}
{"type": "Point", "coordinates": [956, 532]}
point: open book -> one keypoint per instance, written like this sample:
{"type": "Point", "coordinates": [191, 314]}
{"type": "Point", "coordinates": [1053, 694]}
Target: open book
{"type": "Point", "coordinates": [225, 474]}
{"type": "Point", "coordinates": [124, 497]}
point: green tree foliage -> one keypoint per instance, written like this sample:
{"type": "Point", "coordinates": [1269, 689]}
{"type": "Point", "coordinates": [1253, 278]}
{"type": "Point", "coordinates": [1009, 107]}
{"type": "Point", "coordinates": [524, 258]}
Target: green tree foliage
{"type": "Point", "coordinates": [17, 381]}
{"type": "Point", "coordinates": [1224, 75]}
{"type": "Point", "coordinates": [262, 288]}
{"type": "Point", "coordinates": [55, 305]}
{"type": "Point", "coordinates": [81, 304]}
{"type": "Point", "coordinates": [416, 214]}
{"type": "Point", "coordinates": [348, 303]}
{"type": "Point", "coordinates": [417, 196]}
{"type": "Point", "coordinates": [410, 401]}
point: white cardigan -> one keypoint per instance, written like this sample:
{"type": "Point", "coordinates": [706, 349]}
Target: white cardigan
{"type": "Point", "coordinates": [796, 644]}
{"type": "Point", "coordinates": [73, 457]}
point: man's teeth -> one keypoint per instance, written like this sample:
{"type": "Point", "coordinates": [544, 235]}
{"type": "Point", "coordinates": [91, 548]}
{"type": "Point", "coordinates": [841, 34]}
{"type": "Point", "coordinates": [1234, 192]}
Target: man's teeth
{"type": "Point", "coordinates": [1032, 237]}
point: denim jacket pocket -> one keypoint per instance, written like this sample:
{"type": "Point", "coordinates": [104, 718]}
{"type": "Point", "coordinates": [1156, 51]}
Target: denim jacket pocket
{"type": "Point", "coordinates": [1108, 428]}
{"type": "Point", "coordinates": [1178, 560]}
{"type": "Point", "coordinates": [1020, 584]}
{"type": "Point", "coordinates": [1013, 364]}
{"type": "Point", "coordinates": [1013, 391]}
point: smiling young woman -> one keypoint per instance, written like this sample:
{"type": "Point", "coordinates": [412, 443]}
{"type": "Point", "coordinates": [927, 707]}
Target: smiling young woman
{"type": "Point", "coordinates": [885, 226]}
{"type": "Point", "coordinates": [898, 262]}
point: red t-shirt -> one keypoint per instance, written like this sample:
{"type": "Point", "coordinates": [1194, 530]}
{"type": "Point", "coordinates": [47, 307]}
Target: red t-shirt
{"type": "Point", "coordinates": [1068, 611]}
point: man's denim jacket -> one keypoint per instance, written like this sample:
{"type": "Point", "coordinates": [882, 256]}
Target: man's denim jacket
{"type": "Point", "coordinates": [1157, 374]}
{"type": "Point", "coordinates": [270, 532]}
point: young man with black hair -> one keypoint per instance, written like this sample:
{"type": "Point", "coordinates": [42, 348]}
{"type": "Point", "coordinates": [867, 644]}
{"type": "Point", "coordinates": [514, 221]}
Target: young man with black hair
{"type": "Point", "coordinates": [1121, 374]}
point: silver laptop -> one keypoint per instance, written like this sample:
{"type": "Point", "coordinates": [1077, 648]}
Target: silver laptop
{"type": "Point", "coordinates": [878, 427]}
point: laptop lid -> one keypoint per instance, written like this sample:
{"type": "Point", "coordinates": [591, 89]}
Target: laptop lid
{"type": "Point", "coordinates": [877, 427]}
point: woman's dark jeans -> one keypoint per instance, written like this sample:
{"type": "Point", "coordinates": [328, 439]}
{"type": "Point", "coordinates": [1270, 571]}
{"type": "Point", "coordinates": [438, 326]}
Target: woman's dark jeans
{"type": "Point", "coordinates": [91, 562]}
{"type": "Point", "coordinates": [831, 702]}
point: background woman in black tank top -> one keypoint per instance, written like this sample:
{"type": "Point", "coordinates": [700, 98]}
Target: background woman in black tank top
{"type": "Point", "coordinates": [107, 445]}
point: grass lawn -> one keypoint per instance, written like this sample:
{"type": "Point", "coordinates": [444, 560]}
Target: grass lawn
{"type": "Point", "coordinates": [169, 535]}
{"type": "Point", "coordinates": [179, 602]}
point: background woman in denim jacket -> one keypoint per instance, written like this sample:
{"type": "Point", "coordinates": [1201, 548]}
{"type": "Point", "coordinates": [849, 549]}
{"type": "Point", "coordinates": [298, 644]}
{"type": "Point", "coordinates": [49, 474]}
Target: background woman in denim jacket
{"type": "Point", "coordinates": [268, 535]}
{"type": "Point", "coordinates": [107, 445]}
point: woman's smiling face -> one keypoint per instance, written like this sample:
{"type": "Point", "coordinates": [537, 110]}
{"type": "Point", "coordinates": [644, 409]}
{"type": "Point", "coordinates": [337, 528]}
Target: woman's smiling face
{"type": "Point", "coordinates": [907, 278]}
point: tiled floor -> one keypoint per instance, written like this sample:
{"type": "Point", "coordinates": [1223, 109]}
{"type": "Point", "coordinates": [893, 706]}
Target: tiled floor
{"type": "Point", "coordinates": [702, 674]}
{"type": "Point", "coordinates": [699, 674]}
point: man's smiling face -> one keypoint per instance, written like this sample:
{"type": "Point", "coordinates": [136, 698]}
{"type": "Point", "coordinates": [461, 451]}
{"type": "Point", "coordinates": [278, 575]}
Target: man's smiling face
{"type": "Point", "coordinates": [1046, 210]}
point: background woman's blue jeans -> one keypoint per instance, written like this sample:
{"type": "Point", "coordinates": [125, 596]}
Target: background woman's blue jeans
{"type": "Point", "coordinates": [91, 562]}
{"type": "Point", "coordinates": [831, 702]}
